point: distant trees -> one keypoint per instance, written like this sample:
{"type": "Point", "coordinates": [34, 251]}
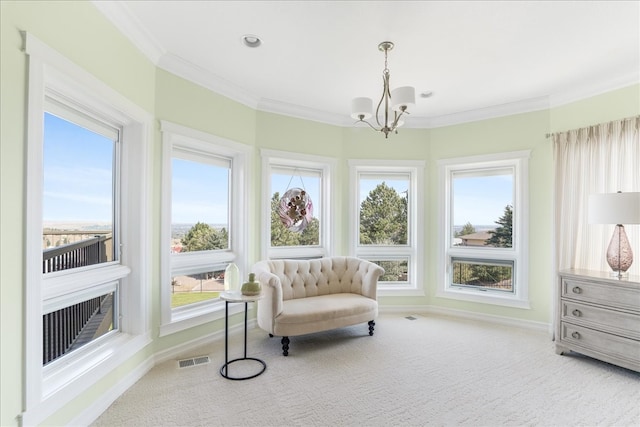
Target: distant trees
{"type": "Point", "coordinates": [468, 228]}
{"type": "Point", "coordinates": [203, 237]}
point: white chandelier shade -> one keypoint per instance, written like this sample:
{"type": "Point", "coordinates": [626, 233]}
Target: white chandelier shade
{"type": "Point", "coordinates": [403, 98]}
{"type": "Point", "coordinates": [361, 107]}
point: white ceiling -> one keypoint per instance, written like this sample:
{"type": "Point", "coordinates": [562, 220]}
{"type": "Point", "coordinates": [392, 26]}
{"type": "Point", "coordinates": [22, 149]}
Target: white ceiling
{"type": "Point", "coordinates": [479, 58]}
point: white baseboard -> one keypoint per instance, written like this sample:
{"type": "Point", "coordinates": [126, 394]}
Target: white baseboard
{"type": "Point", "coordinates": [91, 413]}
{"type": "Point", "coordinates": [462, 314]}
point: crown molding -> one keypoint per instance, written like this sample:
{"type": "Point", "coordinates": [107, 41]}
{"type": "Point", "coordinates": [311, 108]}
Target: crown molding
{"type": "Point", "coordinates": [492, 112]}
{"type": "Point", "coordinates": [121, 17]}
{"type": "Point", "coordinates": [305, 113]}
{"type": "Point", "coordinates": [195, 74]}
{"type": "Point", "coordinates": [579, 93]}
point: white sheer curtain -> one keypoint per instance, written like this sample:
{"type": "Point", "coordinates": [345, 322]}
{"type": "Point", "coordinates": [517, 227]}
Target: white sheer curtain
{"type": "Point", "coordinates": [599, 159]}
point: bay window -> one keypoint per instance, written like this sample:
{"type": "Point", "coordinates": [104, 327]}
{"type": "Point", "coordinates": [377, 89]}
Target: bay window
{"type": "Point", "coordinates": [484, 205]}
{"type": "Point", "coordinates": [287, 173]}
{"type": "Point", "coordinates": [204, 223]}
{"type": "Point", "coordinates": [386, 204]}
{"type": "Point", "coordinates": [87, 232]}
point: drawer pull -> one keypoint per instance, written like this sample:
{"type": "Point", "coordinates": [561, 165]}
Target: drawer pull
{"type": "Point", "coordinates": [576, 290]}
{"type": "Point", "coordinates": [575, 335]}
{"type": "Point", "coordinates": [576, 313]}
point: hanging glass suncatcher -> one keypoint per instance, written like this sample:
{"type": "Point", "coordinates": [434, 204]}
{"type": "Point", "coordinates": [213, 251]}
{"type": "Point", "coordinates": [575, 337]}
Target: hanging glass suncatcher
{"type": "Point", "coordinates": [295, 208]}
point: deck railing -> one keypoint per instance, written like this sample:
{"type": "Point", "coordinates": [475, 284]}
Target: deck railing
{"type": "Point", "coordinates": [89, 251]}
{"type": "Point", "coordinates": [62, 330]}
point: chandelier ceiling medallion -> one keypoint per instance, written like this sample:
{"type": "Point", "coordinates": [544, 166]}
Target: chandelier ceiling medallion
{"type": "Point", "coordinates": [392, 106]}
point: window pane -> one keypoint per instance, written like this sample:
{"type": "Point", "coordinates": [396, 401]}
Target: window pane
{"type": "Point", "coordinates": [78, 196]}
{"type": "Point", "coordinates": [394, 270]}
{"type": "Point", "coordinates": [72, 327]}
{"type": "Point", "coordinates": [493, 275]}
{"type": "Point", "coordinates": [281, 182]}
{"type": "Point", "coordinates": [200, 206]}
{"type": "Point", "coordinates": [383, 209]}
{"type": "Point", "coordinates": [193, 288]}
{"type": "Point", "coordinates": [482, 208]}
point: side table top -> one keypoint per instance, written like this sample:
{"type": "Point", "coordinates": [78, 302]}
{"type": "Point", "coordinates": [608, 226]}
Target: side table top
{"type": "Point", "coordinates": [236, 296]}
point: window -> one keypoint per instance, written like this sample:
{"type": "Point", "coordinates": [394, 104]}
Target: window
{"type": "Point", "coordinates": [81, 158]}
{"type": "Point", "coordinates": [385, 226]}
{"type": "Point", "coordinates": [286, 174]}
{"type": "Point", "coordinates": [484, 218]}
{"type": "Point", "coordinates": [87, 232]}
{"type": "Point", "coordinates": [204, 224]}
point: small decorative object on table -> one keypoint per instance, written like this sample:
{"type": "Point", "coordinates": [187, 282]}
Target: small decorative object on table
{"type": "Point", "coordinates": [231, 278]}
{"type": "Point", "coordinates": [251, 287]}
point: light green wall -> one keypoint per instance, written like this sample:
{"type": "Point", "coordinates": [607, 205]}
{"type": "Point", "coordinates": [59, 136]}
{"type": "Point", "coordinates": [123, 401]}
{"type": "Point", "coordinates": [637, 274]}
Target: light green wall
{"type": "Point", "coordinates": [512, 133]}
{"type": "Point", "coordinates": [84, 36]}
{"type": "Point", "coordinates": [81, 33]}
{"type": "Point", "coordinates": [614, 105]}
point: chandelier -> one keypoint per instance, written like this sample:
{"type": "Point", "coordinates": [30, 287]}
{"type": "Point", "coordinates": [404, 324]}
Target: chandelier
{"type": "Point", "coordinates": [392, 106]}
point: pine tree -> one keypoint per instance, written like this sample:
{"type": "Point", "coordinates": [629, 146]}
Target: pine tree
{"type": "Point", "coordinates": [383, 217]}
{"type": "Point", "coordinates": [502, 237]}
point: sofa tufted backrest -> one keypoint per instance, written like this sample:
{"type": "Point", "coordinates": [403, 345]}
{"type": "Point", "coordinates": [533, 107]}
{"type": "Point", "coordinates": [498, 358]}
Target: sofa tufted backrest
{"type": "Point", "coordinates": [331, 275]}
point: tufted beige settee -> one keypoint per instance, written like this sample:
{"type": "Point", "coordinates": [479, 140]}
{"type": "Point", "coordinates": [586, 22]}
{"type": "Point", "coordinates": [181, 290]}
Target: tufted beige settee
{"type": "Point", "coordinates": [305, 296]}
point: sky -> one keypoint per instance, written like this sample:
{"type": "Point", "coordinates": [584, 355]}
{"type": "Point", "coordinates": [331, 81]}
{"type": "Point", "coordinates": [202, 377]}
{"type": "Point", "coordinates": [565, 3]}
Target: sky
{"type": "Point", "coordinates": [77, 173]}
{"type": "Point", "coordinates": [78, 184]}
{"type": "Point", "coordinates": [481, 200]}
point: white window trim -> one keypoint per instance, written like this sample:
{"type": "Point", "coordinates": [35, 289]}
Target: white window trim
{"type": "Point", "coordinates": [48, 389]}
{"type": "Point", "coordinates": [519, 160]}
{"type": "Point", "coordinates": [328, 166]}
{"type": "Point", "coordinates": [182, 137]}
{"type": "Point", "coordinates": [417, 217]}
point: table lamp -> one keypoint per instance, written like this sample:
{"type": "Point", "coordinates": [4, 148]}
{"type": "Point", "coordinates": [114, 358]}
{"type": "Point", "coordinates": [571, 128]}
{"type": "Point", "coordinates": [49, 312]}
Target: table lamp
{"type": "Point", "coordinates": [616, 208]}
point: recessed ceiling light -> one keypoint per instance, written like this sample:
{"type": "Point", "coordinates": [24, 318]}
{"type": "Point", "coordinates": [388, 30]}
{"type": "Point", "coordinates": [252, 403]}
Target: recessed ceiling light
{"type": "Point", "coordinates": [426, 94]}
{"type": "Point", "coordinates": [250, 40]}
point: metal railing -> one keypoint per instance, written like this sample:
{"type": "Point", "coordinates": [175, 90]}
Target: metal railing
{"type": "Point", "coordinates": [89, 251]}
{"type": "Point", "coordinates": [62, 329]}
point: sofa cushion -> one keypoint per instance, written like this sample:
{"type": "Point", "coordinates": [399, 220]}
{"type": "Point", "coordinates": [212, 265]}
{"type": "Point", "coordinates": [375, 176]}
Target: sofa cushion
{"type": "Point", "coordinates": [322, 313]}
{"type": "Point", "coordinates": [315, 309]}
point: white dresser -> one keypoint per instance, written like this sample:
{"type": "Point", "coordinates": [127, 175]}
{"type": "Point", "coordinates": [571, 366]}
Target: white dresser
{"type": "Point", "coordinates": [598, 315]}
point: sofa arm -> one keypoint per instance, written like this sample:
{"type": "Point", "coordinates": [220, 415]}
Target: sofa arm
{"type": "Point", "coordinates": [370, 274]}
{"type": "Point", "coordinates": [270, 305]}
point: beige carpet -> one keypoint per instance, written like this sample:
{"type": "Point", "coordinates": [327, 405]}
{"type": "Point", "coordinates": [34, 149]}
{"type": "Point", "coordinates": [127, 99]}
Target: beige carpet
{"type": "Point", "coordinates": [429, 371]}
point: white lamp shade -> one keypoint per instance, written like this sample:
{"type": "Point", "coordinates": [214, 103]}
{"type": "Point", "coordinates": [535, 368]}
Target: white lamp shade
{"type": "Point", "coordinates": [614, 208]}
{"type": "Point", "coordinates": [361, 107]}
{"type": "Point", "coordinates": [403, 97]}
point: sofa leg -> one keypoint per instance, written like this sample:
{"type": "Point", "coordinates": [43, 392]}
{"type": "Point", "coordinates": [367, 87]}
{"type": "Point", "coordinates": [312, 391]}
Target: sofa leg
{"type": "Point", "coordinates": [285, 346]}
{"type": "Point", "coordinates": [372, 324]}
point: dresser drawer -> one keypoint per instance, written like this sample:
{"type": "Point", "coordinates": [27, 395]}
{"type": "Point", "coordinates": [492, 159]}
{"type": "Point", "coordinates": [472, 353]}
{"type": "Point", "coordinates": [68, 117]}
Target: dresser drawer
{"type": "Point", "coordinates": [603, 344]}
{"type": "Point", "coordinates": [619, 295]}
{"type": "Point", "coordinates": [616, 322]}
